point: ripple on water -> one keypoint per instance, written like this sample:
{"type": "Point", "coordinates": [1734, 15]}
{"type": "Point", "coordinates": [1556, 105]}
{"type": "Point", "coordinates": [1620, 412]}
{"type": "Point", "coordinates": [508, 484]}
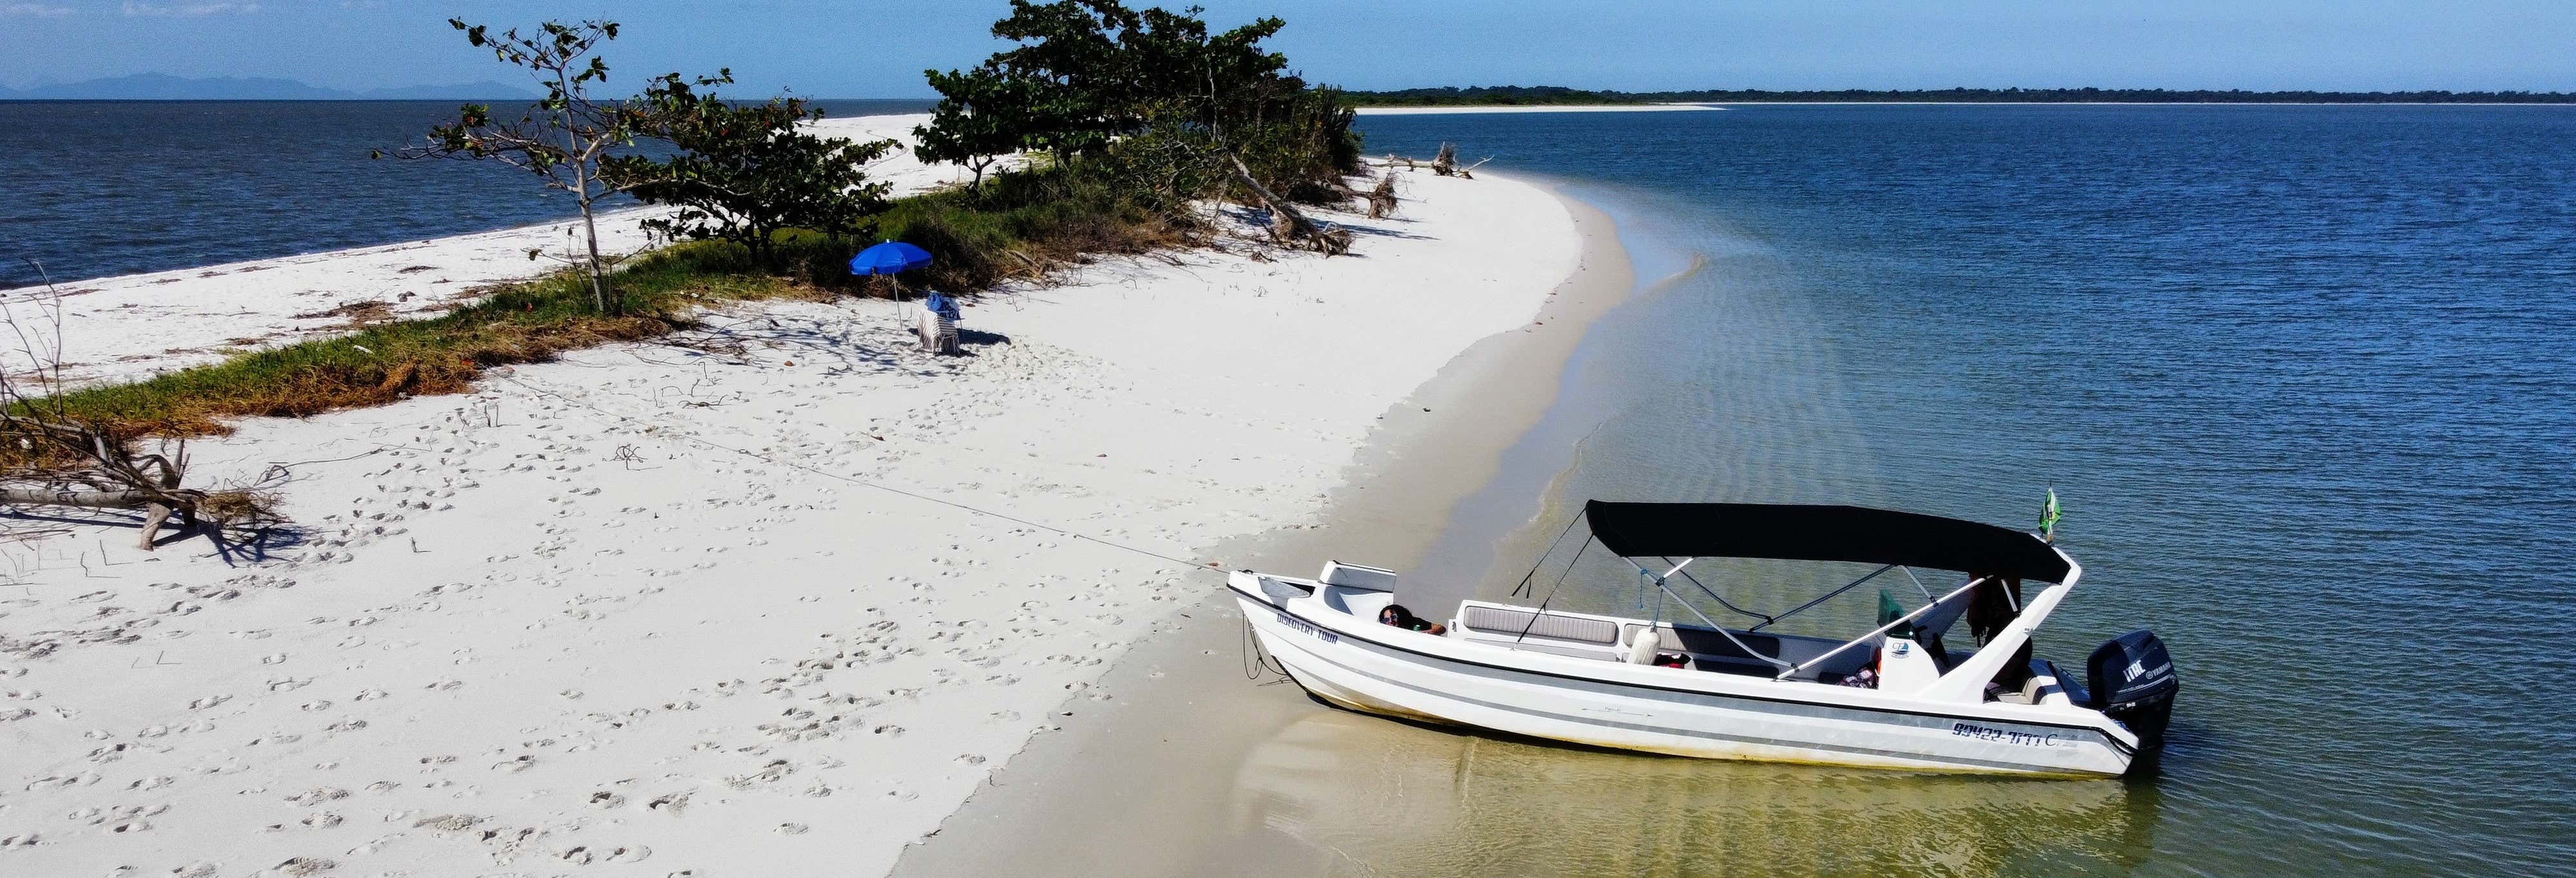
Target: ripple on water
{"type": "Point", "coordinates": [2300, 374]}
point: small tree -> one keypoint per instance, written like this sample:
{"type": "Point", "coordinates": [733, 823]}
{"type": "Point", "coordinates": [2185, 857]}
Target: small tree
{"type": "Point", "coordinates": [745, 171]}
{"type": "Point", "coordinates": [564, 139]}
{"type": "Point", "coordinates": [982, 116]}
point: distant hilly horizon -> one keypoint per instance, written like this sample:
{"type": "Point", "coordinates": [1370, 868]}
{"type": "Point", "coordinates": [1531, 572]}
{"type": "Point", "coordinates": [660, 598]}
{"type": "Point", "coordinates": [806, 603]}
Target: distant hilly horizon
{"type": "Point", "coordinates": [165, 87]}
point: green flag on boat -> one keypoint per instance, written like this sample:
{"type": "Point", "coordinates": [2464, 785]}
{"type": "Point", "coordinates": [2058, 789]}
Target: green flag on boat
{"type": "Point", "coordinates": [2048, 516]}
{"type": "Point", "coordinates": [1889, 611]}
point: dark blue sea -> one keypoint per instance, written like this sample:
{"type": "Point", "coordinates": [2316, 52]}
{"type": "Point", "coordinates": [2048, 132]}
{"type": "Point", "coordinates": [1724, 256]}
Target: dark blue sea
{"type": "Point", "coordinates": [2304, 377]}
{"type": "Point", "coordinates": [100, 188]}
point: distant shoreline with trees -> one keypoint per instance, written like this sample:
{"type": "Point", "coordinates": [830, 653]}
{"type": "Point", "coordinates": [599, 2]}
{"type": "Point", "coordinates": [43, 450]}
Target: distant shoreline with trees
{"type": "Point", "coordinates": [1549, 95]}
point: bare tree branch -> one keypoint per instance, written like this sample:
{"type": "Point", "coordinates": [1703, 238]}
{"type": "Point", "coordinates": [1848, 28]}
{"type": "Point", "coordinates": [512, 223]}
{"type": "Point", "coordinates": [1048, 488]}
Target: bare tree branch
{"type": "Point", "coordinates": [50, 456]}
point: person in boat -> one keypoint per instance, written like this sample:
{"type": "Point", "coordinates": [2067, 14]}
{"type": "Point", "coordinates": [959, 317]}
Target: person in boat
{"type": "Point", "coordinates": [1398, 616]}
{"type": "Point", "coordinates": [1867, 676]}
{"type": "Point", "coordinates": [1995, 605]}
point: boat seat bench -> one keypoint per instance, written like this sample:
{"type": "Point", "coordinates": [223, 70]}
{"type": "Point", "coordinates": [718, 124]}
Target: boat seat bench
{"type": "Point", "coordinates": [1606, 639]}
{"type": "Point", "coordinates": [1599, 632]}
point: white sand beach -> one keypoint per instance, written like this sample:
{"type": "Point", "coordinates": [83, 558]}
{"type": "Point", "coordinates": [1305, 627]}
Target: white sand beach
{"type": "Point", "coordinates": [772, 597]}
{"type": "Point", "coordinates": [1194, 769]}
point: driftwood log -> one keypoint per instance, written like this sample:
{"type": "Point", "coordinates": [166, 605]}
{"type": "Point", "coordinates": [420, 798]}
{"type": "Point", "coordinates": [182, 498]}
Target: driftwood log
{"type": "Point", "coordinates": [109, 474]}
{"type": "Point", "coordinates": [51, 457]}
{"type": "Point", "coordinates": [156, 506]}
{"type": "Point", "coordinates": [1289, 226]}
{"type": "Point", "coordinates": [1381, 198]}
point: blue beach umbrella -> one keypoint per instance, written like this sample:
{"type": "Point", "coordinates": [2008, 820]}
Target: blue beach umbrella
{"type": "Point", "coordinates": [889, 258]}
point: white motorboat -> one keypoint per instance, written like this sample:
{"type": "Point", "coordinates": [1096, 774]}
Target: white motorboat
{"type": "Point", "coordinates": [1894, 697]}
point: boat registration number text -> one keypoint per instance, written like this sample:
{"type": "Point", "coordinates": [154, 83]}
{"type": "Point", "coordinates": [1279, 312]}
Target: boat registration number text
{"type": "Point", "coordinates": [2006, 736]}
{"type": "Point", "coordinates": [1308, 627]}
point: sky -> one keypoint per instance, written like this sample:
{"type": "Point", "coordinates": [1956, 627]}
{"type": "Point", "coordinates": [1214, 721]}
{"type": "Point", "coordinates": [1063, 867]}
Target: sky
{"type": "Point", "coordinates": [865, 48]}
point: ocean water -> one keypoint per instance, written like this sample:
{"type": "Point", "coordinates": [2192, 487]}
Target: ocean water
{"type": "Point", "coordinates": [2304, 377]}
{"type": "Point", "coordinates": [99, 188]}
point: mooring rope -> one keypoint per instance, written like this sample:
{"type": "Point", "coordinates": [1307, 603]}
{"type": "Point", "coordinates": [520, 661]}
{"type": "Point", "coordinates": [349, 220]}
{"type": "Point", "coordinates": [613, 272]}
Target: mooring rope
{"type": "Point", "coordinates": [1256, 661]}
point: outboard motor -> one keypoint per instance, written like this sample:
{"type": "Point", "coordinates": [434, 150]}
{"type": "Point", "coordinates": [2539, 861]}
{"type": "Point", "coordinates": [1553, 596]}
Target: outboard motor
{"type": "Point", "coordinates": [2133, 681]}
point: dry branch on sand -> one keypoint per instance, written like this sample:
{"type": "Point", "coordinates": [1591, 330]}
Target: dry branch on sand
{"type": "Point", "coordinates": [51, 457]}
{"type": "Point", "coordinates": [1290, 227]}
{"type": "Point", "coordinates": [1381, 198]}
{"type": "Point", "coordinates": [1445, 164]}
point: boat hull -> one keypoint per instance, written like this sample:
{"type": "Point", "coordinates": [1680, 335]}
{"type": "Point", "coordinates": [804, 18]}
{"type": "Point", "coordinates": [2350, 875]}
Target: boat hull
{"type": "Point", "coordinates": [1657, 710]}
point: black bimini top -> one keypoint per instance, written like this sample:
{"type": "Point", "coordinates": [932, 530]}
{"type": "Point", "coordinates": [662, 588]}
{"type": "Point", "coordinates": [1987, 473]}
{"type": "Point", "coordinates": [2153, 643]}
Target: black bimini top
{"type": "Point", "coordinates": [1821, 533]}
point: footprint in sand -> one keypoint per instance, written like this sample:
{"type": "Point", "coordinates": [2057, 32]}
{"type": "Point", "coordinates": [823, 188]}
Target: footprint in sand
{"type": "Point", "coordinates": [447, 822]}
{"type": "Point", "coordinates": [58, 781]}
{"type": "Point", "coordinates": [301, 867]}
{"type": "Point", "coordinates": [318, 795]}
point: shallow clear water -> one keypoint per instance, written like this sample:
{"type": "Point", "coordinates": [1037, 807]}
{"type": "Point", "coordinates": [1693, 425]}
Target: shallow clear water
{"type": "Point", "coordinates": [2304, 377]}
{"type": "Point", "coordinates": [100, 188]}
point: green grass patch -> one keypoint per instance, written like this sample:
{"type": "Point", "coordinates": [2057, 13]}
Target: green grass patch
{"type": "Point", "coordinates": [1019, 225]}
{"type": "Point", "coordinates": [520, 323]}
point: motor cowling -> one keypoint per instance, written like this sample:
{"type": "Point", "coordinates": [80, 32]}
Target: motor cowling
{"type": "Point", "coordinates": [2133, 682]}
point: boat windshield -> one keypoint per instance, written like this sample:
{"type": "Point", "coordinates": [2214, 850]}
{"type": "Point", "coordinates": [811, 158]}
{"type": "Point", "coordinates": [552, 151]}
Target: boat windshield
{"type": "Point", "coordinates": [1748, 571]}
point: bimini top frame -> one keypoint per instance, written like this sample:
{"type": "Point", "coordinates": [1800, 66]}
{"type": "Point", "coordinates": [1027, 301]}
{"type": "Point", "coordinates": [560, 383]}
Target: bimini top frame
{"type": "Point", "coordinates": [1891, 539]}
{"type": "Point", "coordinates": [1823, 533]}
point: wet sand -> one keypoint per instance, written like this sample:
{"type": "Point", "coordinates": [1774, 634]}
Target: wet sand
{"type": "Point", "coordinates": [1204, 766]}
{"type": "Point", "coordinates": [1153, 783]}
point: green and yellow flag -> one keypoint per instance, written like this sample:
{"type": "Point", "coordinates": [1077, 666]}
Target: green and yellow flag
{"type": "Point", "coordinates": [2048, 516]}
{"type": "Point", "coordinates": [1889, 611]}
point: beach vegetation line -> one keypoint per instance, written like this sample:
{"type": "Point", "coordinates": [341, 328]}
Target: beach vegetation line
{"type": "Point", "coordinates": [1150, 140]}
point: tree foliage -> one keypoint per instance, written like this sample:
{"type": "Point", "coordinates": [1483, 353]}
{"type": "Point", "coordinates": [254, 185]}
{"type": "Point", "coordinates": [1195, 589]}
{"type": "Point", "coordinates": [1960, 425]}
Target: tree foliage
{"type": "Point", "coordinates": [563, 139]}
{"type": "Point", "coordinates": [740, 172]}
{"type": "Point", "coordinates": [1152, 97]}
{"type": "Point", "coordinates": [976, 121]}
{"type": "Point", "coordinates": [743, 172]}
